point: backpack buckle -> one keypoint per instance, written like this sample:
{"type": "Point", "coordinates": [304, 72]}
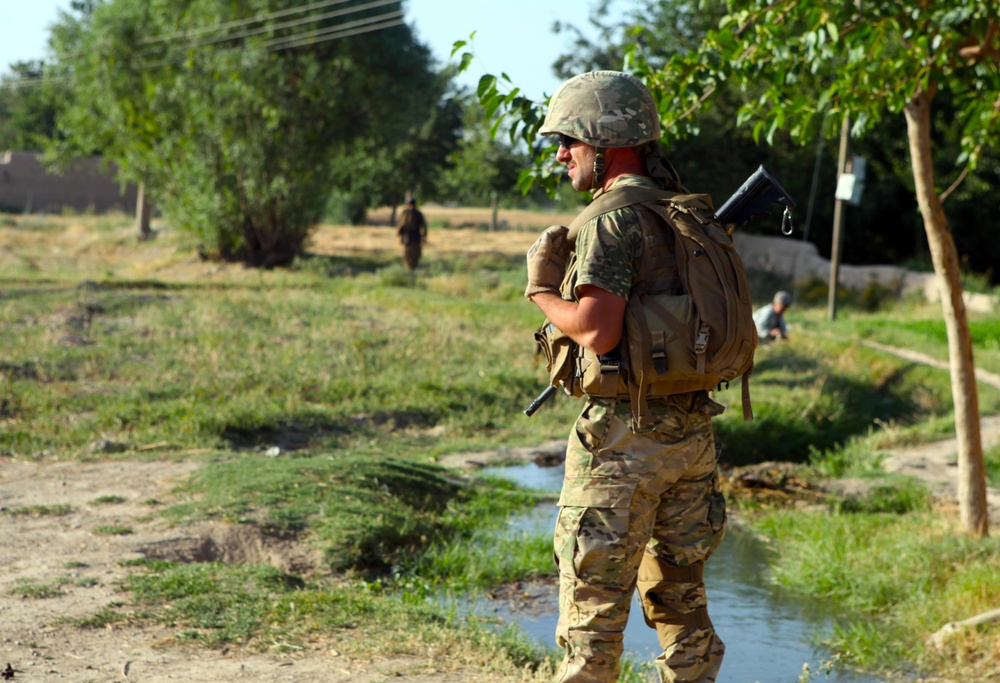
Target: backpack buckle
{"type": "Point", "coordinates": [610, 366]}
{"type": "Point", "coordinates": [701, 341]}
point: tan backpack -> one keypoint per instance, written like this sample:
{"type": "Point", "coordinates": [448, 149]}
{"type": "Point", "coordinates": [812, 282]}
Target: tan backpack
{"type": "Point", "coordinates": [675, 343]}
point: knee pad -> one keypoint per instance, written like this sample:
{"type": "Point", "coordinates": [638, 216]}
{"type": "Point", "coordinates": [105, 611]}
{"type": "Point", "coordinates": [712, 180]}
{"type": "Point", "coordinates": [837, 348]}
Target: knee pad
{"type": "Point", "coordinates": [671, 618]}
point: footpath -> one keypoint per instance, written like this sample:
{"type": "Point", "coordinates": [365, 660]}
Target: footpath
{"type": "Point", "coordinates": [936, 463]}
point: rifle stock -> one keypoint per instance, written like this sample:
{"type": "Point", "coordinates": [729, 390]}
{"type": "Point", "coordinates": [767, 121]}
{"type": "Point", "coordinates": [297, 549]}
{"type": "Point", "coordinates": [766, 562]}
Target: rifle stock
{"type": "Point", "coordinates": [754, 197]}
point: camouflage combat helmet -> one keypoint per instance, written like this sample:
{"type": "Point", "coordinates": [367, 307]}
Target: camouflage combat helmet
{"type": "Point", "coordinates": [603, 109]}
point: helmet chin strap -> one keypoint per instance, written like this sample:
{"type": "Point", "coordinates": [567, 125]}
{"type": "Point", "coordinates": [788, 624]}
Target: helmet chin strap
{"type": "Point", "coordinates": [598, 180]}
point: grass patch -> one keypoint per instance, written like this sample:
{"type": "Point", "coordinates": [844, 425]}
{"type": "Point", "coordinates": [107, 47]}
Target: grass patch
{"type": "Point", "coordinates": [817, 393]}
{"type": "Point", "coordinates": [111, 530]}
{"type": "Point", "coordinates": [107, 500]}
{"type": "Point", "coordinates": [992, 458]}
{"type": "Point", "coordinates": [298, 361]}
{"type": "Point", "coordinates": [258, 607]}
{"type": "Point", "coordinates": [58, 510]}
{"type": "Point", "coordinates": [899, 497]}
{"type": "Point", "coordinates": [36, 591]}
{"type": "Point", "coordinates": [364, 513]}
{"type": "Point", "coordinates": [896, 579]}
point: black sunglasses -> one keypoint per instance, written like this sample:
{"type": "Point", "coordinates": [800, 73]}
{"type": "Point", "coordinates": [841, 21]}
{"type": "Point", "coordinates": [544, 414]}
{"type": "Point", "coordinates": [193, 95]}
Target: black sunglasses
{"type": "Point", "coordinates": [566, 141]}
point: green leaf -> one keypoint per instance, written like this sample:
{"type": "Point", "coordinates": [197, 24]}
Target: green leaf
{"type": "Point", "coordinates": [492, 103]}
{"type": "Point", "coordinates": [457, 45]}
{"type": "Point", "coordinates": [525, 180]}
{"type": "Point", "coordinates": [496, 126]}
{"type": "Point", "coordinates": [834, 32]}
{"type": "Point", "coordinates": [486, 83]}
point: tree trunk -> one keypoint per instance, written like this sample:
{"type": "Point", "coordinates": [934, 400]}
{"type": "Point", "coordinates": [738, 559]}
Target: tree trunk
{"type": "Point", "coordinates": [965, 394]}
{"type": "Point", "coordinates": [143, 212]}
{"type": "Point", "coordinates": [495, 206]}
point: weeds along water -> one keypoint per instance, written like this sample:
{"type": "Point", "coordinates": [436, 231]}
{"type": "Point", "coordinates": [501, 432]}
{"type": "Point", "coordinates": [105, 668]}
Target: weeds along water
{"type": "Point", "coordinates": [359, 381]}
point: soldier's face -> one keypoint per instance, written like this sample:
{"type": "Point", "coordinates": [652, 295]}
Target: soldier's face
{"type": "Point", "coordinates": [579, 160]}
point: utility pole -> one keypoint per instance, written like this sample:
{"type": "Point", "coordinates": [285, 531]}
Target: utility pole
{"type": "Point", "coordinates": [838, 220]}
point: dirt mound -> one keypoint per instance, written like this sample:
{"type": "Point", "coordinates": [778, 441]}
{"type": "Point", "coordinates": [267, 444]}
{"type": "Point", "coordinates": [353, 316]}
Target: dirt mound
{"type": "Point", "coordinates": [233, 544]}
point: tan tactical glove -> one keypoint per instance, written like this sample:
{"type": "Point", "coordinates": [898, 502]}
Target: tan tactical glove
{"type": "Point", "coordinates": [547, 260]}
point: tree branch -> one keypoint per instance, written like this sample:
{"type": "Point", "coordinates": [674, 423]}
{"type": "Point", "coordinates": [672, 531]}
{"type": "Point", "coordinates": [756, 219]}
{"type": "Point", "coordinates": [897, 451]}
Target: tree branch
{"type": "Point", "coordinates": [954, 185]}
{"type": "Point", "coordinates": [975, 51]}
{"type": "Point", "coordinates": [938, 637]}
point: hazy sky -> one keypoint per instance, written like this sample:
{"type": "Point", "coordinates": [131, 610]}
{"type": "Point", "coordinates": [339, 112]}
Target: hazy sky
{"type": "Point", "coordinates": [512, 36]}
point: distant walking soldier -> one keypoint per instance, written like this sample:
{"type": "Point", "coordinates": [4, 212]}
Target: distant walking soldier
{"type": "Point", "coordinates": [412, 234]}
{"type": "Point", "coordinates": [641, 506]}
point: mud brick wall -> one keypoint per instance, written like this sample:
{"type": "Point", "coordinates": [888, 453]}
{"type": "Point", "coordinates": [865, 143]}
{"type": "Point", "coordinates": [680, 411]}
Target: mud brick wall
{"type": "Point", "coordinates": [798, 260]}
{"type": "Point", "coordinates": [86, 185]}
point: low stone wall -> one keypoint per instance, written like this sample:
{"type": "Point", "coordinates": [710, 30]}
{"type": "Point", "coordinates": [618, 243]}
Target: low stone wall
{"type": "Point", "coordinates": [86, 185]}
{"type": "Point", "coordinates": [798, 260]}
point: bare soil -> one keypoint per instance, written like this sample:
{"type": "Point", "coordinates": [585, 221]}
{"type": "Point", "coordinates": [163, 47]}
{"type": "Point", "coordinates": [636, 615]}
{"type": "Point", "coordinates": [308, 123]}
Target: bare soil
{"type": "Point", "coordinates": [65, 552]}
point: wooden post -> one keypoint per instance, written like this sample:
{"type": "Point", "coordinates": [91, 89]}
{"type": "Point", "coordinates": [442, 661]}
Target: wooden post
{"type": "Point", "coordinates": [838, 220]}
{"type": "Point", "coordinates": [143, 210]}
{"type": "Point", "coordinates": [495, 206]}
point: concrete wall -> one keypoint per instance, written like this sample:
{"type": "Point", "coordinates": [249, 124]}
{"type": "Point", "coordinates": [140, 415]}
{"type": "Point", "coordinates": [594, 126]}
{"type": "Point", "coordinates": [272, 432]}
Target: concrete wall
{"type": "Point", "coordinates": [798, 260]}
{"type": "Point", "coordinates": [26, 187]}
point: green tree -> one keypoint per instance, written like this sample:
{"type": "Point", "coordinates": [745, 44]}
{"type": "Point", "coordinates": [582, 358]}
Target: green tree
{"type": "Point", "coordinates": [384, 169]}
{"type": "Point", "coordinates": [865, 61]}
{"type": "Point", "coordinates": [483, 170]}
{"type": "Point", "coordinates": [28, 106]}
{"type": "Point", "coordinates": [231, 113]}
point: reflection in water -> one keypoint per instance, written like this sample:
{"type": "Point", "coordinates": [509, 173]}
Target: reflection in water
{"type": "Point", "coordinates": [767, 638]}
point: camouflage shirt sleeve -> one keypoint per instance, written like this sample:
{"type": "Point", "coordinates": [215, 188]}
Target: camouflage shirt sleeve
{"type": "Point", "coordinates": [608, 252]}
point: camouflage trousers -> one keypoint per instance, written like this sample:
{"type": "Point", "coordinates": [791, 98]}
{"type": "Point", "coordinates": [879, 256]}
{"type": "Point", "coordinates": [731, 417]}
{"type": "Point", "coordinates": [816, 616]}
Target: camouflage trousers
{"type": "Point", "coordinates": [412, 253]}
{"type": "Point", "coordinates": [639, 511]}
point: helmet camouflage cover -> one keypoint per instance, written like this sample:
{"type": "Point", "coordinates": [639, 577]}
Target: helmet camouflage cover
{"type": "Point", "coordinates": [603, 109]}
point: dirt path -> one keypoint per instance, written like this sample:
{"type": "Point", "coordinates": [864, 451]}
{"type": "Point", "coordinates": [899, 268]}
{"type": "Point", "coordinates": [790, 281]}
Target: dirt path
{"type": "Point", "coordinates": [64, 554]}
{"type": "Point", "coordinates": [937, 463]}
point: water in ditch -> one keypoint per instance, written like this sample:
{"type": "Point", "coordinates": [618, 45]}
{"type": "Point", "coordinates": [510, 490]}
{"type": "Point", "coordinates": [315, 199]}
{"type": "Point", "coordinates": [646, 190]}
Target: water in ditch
{"type": "Point", "coordinates": [768, 637]}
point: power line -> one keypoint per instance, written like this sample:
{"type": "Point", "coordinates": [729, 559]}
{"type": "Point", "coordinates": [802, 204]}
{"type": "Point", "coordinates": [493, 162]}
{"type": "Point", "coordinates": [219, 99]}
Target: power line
{"type": "Point", "coordinates": [344, 30]}
{"type": "Point", "coordinates": [296, 22]}
{"type": "Point", "coordinates": [306, 38]}
{"type": "Point", "coordinates": [244, 22]}
{"type": "Point", "coordinates": [31, 82]}
{"type": "Point", "coordinates": [295, 39]}
{"type": "Point", "coordinates": [347, 34]}
{"type": "Point", "coordinates": [257, 18]}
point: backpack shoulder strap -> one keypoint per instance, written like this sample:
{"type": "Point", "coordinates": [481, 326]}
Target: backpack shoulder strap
{"type": "Point", "coordinates": [616, 199]}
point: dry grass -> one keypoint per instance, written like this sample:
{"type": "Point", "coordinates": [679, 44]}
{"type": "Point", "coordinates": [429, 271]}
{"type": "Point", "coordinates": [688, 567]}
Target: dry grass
{"type": "Point", "coordinates": [509, 219]}
{"type": "Point", "coordinates": [98, 247]}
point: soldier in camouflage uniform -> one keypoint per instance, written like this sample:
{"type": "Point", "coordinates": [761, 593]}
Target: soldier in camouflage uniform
{"type": "Point", "coordinates": [412, 234]}
{"type": "Point", "coordinates": [640, 508]}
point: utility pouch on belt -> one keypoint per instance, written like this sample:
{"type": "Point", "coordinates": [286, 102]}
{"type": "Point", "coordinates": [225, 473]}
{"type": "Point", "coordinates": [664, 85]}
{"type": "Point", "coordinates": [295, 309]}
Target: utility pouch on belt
{"type": "Point", "coordinates": [559, 352]}
{"type": "Point", "coordinates": [604, 375]}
